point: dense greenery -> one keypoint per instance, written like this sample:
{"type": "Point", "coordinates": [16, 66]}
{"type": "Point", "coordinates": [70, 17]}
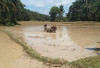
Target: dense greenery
{"type": "Point", "coordinates": [8, 9]}
{"type": "Point", "coordinates": [84, 10]}
{"type": "Point", "coordinates": [27, 15]}
{"type": "Point", "coordinates": [56, 13]}
{"type": "Point", "coordinates": [13, 10]}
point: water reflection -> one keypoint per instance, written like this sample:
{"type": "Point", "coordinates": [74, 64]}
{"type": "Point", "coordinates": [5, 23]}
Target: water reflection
{"type": "Point", "coordinates": [96, 50]}
{"type": "Point", "coordinates": [52, 36]}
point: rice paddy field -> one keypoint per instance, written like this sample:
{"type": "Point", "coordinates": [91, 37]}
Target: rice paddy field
{"type": "Point", "coordinates": [77, 43]}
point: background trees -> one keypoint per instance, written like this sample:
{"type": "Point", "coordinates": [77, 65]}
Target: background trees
{"type": "Point", "coordinates": [8, 9]}
{"type": "Point", "coordinates": [61, 11]}
{"type": "Point", "coordinates": [56, 14]}
{"type": "Point", "coordinates": [13, 10]}
{"type": "Point", "coordinates": [84, 10]}
{"type": "Point", "coordinates": [54, 11]}
{"type": "Point", "coordinates": [27, 15]}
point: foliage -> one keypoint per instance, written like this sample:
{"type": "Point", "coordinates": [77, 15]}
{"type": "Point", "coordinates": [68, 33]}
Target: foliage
{"type": "Point", "coordinates": [13, 10]}
{"type": "Point", "coordinates": [90, 62]}
{"type": "Point", "coordinates": [61, 8]}
{"type": "Point", "coordinates": [27, 15]}
{"type": "Point", "coordinates": [56, 14]}
{"type": "Point", "coordinates": [8, 9]}
{"type": "Point", "coordinates": [84, 10]}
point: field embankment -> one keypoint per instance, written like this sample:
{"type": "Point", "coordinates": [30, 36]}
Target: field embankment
{"type": "Point", "coordinates": [13, 56]}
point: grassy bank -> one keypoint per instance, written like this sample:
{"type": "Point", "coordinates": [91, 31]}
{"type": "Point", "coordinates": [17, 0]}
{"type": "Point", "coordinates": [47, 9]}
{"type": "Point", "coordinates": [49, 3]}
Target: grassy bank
{"type": "Point", "coordinates": [90, 62]}
{"type": "Point", "coordinates": [32, 53]}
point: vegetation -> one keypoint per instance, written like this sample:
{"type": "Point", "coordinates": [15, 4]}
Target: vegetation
{"type": "Point", "coordinates": [56, 14]}
{"type": "Point", "coordinates": [8, 9]}
{"type": "Point", "coordinates": [27, 15]}
{"type": "Point", "coordinates": [84, 10]}
{"type": "Point", "coordinates": [13, 10]}
{"type": "Point", "coordinates": [90, 62]}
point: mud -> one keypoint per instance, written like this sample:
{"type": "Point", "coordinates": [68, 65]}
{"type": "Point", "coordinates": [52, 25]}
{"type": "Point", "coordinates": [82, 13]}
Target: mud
{"type": "Point", "coordinates": [13, 56]}
{"type": "Point", "coordinates": [71, 41]}
{"type": "Point", "coordinates": [55, 45]}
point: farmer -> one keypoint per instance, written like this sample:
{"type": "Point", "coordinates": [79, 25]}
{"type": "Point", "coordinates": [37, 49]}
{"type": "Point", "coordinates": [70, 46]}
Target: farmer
{"type": "Point", "coordinates": [45, 27]}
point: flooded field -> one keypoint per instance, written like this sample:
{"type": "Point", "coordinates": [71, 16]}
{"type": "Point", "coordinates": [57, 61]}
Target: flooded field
{"type": "Point", "coordinates": [69, 42]}
{"type": "Point", "coordinates": [85, 36]}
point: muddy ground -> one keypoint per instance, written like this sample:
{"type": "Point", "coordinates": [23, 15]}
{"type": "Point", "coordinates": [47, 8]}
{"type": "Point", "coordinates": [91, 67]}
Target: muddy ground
{"type": "Point", "coordinates": [71, 41]}
{"type": "Point", "coordinates": [13, 56]}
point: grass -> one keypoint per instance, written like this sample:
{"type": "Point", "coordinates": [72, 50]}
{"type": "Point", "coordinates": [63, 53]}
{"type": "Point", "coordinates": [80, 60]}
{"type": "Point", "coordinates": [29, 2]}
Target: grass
{"type": "Point", "coordinates": [89, 62]}
{"type": "Point", "coordinates": [32, 53]}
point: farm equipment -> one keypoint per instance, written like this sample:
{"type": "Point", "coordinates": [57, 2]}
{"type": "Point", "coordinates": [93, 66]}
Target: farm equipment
{"type": "Point", "coordinates": [52, 29]}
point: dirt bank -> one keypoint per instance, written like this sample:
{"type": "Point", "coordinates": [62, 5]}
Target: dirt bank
{"type": "Point", "coordinates": [12, 55]}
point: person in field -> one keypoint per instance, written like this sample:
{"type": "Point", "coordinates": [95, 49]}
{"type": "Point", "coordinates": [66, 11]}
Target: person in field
{"type": "Point", "coordinates": [45, 27]}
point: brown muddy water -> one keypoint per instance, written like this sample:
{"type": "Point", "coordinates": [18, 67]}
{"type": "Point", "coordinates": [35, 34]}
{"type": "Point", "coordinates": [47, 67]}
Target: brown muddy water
{"type": "Point", "coordinates": [70, 43]}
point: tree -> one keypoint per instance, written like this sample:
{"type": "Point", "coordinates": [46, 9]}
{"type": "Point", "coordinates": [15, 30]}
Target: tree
{"type": "Point", "coordinates": [61, 12]}
{"type": "Point", "coordinates": [8, 9]}
{"type": "Point", "coordinates": [27, 15]}
{"type": "Point", "coordinates": [13, 10]}
{"type": "Point", "coordinates": [84, 10]}
{"type": "Point", "coordinates": [54, 11]}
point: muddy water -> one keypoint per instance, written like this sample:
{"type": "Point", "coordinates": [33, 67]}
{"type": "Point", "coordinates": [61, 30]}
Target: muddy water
{"type": "Point", "coordinates": [87, 37]}
{"type": "Point", "coordinates": [55, 45]}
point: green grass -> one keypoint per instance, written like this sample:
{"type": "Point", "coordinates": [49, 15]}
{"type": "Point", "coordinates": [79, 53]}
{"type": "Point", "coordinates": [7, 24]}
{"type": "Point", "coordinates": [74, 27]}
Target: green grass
{"type": "Point", "coordinates": [90, 62]}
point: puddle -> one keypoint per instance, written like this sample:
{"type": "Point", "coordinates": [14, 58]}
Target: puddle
{"type": "Point", "coordinates": [55, 45]}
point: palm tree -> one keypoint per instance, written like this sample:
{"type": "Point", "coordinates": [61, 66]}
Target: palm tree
{"type": "Point", "coordinates": [8, 9]}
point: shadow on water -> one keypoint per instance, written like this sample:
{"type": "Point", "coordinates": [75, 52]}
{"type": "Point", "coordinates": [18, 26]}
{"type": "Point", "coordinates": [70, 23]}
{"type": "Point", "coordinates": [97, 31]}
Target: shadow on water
{"type": "Point", "coordinates": [96, 50]}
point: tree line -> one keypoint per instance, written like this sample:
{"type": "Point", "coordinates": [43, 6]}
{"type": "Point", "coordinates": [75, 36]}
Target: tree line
{"type": "Point", "coordinates": [27, 15]}
{"type": "Point", "coordinates": [12, 11]}
{"type": "Point", "coordinates": [84, 10]}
